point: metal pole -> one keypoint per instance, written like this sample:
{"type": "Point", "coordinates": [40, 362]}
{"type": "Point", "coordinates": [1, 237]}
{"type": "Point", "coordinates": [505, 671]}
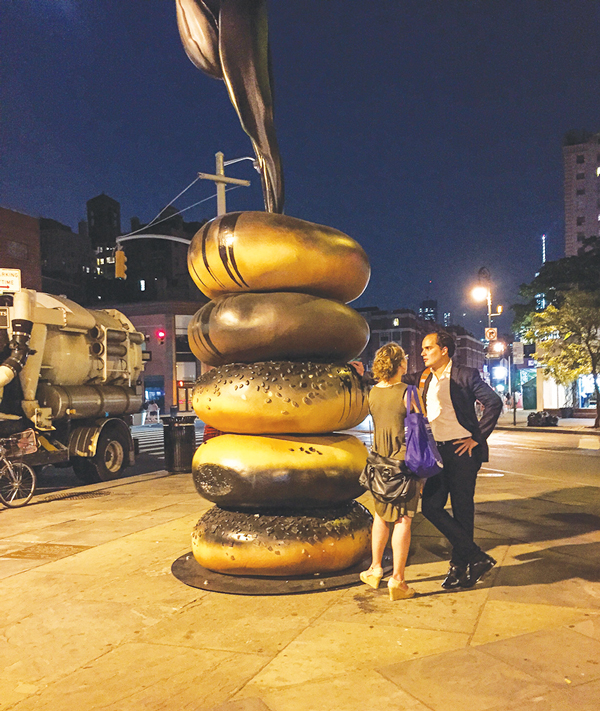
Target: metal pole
{"type": "Point", "coordinates": [514, 397]}
{"type": "Point", "coordinates": [489, 305]}
{"type": "Point", "coordinates": [220, 170]}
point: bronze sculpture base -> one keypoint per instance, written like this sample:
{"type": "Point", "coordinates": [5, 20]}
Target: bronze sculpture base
{"type": "Point", "coordinates": [187, 570]}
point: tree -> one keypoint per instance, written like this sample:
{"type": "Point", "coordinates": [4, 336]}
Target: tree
{"type": "Point", "coordinates": [554, 280]}
{"type": "Point", "coordinates": [567, 338]}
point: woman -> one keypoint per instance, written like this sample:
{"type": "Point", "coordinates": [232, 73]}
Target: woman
{"type": "Point", "coordinates": [387, 405]}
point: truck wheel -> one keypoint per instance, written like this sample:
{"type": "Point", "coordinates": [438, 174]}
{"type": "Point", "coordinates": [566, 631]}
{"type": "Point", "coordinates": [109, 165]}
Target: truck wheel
{"type": "Point", "coordinates": [85, 470]}
{"type": "Point", "coordinates": [111, 455]}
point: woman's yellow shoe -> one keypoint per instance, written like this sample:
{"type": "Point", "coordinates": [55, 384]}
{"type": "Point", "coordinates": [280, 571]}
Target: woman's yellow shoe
{"type": "Point", "coordinates": [398, 592]}
{"type": "Point", "coordinates": [372, 577]}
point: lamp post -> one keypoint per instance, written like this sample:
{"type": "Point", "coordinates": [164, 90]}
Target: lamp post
{"type": "Point", "coordinates": [483, 292]}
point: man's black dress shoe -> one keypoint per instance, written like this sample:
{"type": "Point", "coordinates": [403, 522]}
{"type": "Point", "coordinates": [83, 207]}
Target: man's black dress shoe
{"type": "Point", "coordinates": [457, 577]}
{"type": "Point", "coordinates": [476, 571]}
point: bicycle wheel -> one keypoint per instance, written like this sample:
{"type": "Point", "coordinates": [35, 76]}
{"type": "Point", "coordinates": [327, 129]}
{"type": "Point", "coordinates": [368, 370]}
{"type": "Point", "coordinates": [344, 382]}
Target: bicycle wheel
{"type": "Point", "coordinates": [17, 484]}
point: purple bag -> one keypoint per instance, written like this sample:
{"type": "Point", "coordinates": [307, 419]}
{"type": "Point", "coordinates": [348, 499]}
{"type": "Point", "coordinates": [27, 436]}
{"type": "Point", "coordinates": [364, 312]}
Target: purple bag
{"type": "Point", "coordinates": [422, 456]}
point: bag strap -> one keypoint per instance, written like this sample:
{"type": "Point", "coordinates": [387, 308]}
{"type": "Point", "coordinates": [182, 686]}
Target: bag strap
{"type": "Point", "coordinates": [421, 388]}
{"type": "Point", "coordinates": [424, 375]}
{"type": "Point", "coordinates": [411, 391]}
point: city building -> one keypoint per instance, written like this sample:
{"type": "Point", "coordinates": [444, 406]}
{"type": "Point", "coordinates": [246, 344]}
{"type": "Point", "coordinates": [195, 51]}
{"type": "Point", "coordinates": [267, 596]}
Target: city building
{"type": "Point", "coordinates": [66, 260]}
{"type": "Point", "coordinates": [157, 268]}
{"type": "Point", "coordinates": [581, 156]}
{"type": "Point", "coordinates": [171, 368]}
{"type": "Point", "coordinates": [104, 226]}
{"type": "Point", "coordinates": [20, 246]}
{"type": "Point", "coordinates": [404, 327]}
{"type": "Point", "coordinates": [428, 310]}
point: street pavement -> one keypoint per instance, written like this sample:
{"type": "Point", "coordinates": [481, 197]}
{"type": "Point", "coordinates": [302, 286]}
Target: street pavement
{"type": "Point", "coordinates": [92, 618]}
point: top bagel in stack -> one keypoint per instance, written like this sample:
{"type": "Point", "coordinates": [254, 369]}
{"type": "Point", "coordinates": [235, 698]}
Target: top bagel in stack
{"type": "Point", "coordinates": [265, 252]}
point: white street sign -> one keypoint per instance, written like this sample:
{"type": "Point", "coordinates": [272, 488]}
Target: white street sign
{"type": "Point", "coordinates": [518, 353]}
{"type": "Point", "coordinates": [10, 280]}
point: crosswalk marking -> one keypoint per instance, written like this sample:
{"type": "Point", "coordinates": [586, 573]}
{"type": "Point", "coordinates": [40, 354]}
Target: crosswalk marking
{"type": "Point", "coordinates": [589, 442]}
{"type": "Point", "coordinates": [151, 440]}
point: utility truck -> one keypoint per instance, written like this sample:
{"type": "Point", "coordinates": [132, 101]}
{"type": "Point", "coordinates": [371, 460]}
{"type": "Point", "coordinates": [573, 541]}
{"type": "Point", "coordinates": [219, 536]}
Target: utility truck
{"type": "Point", "coordinates": [73, 375]}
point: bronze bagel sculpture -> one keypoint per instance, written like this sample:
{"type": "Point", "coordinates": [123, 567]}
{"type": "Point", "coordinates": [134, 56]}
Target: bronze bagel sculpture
{"type": "Point", "coordinates": [242, 328]}
{"type": "Point", "coordinates": [276, 397]}
{"type": "Point", "coordinates": [264, 252]}
{"type": "Point", "coordinates": [252, 472]}
{"type": "Point", "coordinates": [320, 541]}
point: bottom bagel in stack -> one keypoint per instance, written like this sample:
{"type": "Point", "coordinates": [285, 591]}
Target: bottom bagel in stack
{"type": "Point", "coordinates": [291, 543]}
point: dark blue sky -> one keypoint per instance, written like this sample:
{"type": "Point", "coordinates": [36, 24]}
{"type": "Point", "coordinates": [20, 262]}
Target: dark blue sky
{"type": "Point", "coordinates": [428, 130]}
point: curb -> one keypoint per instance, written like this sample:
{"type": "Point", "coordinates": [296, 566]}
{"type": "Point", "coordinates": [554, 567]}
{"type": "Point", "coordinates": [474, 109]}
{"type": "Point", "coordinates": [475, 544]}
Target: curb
{"type": "Point", "coordinates": [558, 429]}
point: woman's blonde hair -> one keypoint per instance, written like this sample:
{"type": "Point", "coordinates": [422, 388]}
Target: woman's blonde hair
{"type": "Point", "coordinates": [387, 361]}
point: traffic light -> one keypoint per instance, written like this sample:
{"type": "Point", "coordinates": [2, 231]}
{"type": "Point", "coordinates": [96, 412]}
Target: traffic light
{"type": "Point", "coordinates": [120, 264]}
{"type": "Point", "coordinates": [161, 335]}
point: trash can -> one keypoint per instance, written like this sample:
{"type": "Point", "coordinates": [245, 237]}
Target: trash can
{"type": "Point", "coordinates": [180, 443]}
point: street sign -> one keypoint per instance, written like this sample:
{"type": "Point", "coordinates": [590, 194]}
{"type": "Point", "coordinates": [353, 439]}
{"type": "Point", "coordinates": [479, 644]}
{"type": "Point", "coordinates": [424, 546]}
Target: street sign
{"type": "Point", "coordinates": [10, 280]}
{"type": "Point", "coordinates": [518, 353]}
{"type": "Point", "coordinates": [491, 334]}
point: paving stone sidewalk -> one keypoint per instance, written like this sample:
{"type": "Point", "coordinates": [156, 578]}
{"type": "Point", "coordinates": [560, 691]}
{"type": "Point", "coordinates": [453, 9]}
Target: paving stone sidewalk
{"type": "Point", "coordinates": [91, 617]}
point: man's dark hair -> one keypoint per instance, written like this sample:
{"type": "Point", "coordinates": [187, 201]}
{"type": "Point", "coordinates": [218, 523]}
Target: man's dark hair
{"type": "Point", "coordinates": [444, 340]}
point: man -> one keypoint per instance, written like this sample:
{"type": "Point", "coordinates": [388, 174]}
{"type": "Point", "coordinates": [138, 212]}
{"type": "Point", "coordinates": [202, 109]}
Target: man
{"type": "Point", "coordinates": [450, 392]}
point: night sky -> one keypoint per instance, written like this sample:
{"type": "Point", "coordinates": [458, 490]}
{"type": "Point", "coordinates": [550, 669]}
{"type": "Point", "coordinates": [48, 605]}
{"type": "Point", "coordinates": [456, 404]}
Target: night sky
{"type": "Point", "coordinates": [428, 130]}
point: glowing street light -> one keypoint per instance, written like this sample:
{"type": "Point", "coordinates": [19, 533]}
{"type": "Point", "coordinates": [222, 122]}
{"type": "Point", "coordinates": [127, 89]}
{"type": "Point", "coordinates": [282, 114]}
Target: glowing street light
{"type": "Point", "coordinates": [483, 292]}
{"type": "Point", "coordinates": [479, 293]}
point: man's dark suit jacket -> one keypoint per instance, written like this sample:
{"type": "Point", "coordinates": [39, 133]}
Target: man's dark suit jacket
{"type": "Point", "coordinates": [466, 386]}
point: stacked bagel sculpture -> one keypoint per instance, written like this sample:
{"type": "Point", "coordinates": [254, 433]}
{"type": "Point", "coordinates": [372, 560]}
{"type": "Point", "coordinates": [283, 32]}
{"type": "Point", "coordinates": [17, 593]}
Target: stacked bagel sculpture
{"type": "Point", "coordinates": [279, 335]}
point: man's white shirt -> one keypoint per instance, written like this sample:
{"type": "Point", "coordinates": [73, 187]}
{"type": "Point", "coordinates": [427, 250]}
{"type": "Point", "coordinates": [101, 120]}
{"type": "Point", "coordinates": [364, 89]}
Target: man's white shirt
{"type": "Point", "coordinates": [440, 411]}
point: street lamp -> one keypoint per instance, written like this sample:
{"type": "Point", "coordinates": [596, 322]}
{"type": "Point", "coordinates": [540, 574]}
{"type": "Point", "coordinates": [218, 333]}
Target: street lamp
{"type": "Point", "coordinates": [483, 292]}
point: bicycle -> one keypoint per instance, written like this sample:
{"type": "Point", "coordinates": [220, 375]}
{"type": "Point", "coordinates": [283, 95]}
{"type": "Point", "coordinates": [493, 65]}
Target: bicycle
{"type": "Point", "coordinates": [17, 479]}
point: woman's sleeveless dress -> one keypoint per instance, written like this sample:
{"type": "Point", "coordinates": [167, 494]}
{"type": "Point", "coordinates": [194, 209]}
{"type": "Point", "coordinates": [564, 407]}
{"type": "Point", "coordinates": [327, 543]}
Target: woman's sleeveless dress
{"type": "Point", "coordinates": [388, 411]}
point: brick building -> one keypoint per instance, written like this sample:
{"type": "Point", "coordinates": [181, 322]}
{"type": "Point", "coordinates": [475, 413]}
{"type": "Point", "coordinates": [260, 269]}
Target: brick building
{"type": "Point", "coordinates": [20, 246]}
{"type": "Point", "coordinates": [404, 327]}
{"type": "Point", "coordinates": [581, 156]}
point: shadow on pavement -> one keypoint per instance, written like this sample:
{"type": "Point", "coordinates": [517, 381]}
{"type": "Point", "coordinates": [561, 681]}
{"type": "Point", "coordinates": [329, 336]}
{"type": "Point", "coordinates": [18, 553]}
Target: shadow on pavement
{"type": "Point", "coordinates": [54, 479]}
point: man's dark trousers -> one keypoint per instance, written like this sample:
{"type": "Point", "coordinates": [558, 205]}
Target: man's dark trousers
{"type": "Point", "coordinates": [457, 479]}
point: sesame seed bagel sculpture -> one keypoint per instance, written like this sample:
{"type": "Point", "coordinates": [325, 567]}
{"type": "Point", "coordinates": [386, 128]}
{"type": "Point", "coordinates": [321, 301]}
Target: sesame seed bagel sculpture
{"type": "Point", "coordinates": [280, 335]}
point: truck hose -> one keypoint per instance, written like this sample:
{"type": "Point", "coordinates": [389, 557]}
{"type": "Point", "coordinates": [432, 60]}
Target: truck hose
{"type": "Point", "coordinates": [19, 346]}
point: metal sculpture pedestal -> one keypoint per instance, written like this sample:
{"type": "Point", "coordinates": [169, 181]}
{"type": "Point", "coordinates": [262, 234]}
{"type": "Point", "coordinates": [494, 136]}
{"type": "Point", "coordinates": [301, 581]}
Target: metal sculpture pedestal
{"type": "Point", "coordinates": [190, 572]}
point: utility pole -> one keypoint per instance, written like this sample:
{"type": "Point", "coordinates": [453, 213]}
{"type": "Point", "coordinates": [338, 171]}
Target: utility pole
{"type": "Point", "coordinates": [221, 180]}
